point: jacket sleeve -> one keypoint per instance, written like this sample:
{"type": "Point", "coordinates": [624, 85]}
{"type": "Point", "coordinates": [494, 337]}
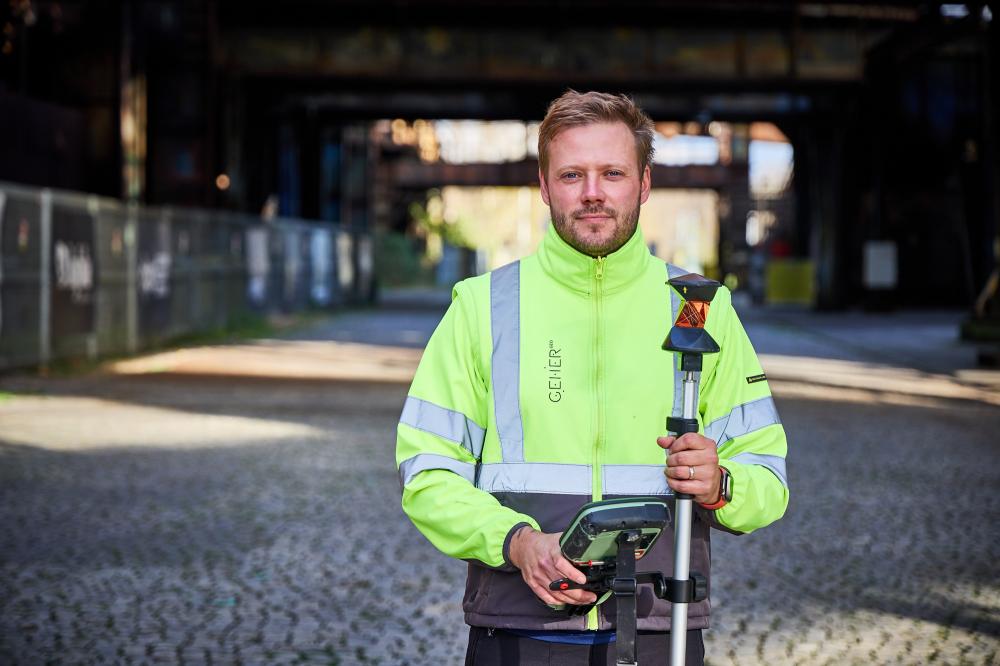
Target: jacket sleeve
{"type": "Point", "coordinates": [439, 443]}
{"type": "Point", "coordinates": [738, 412]}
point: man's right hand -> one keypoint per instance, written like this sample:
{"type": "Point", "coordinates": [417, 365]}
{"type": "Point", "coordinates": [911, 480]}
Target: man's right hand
{"type": "Point", "coordinates": [540, 560]}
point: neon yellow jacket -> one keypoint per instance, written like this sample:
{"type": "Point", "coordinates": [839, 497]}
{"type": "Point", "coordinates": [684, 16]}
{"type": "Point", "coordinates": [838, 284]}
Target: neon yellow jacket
{"type": "Point", "coordinates": [544, 387]}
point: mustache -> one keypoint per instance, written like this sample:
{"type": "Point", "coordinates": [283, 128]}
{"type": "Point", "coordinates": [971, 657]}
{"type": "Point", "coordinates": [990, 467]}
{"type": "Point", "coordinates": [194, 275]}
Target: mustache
{"type": "Point", "coordinates": [595, 210]}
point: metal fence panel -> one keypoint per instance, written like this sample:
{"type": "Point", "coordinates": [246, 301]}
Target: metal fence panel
{"type": "Point", "coordinates": [345, 264]}
{"type": "Point", "coordinates": [73, 277]}
{"type": "Point", "coordinates": [234, 277]}
{"type": "Point", "coordinates": [20, 279]}
{"type": "Point", "coordinates": [182, 275]}
{"type": "Point", "coordinates": [321, 260]}
{"type": "Point", "coordinates": [112, 294]}
{"type": "Point", "coordinates": [365, 259]}
{"type": "Point", "coordinates": [258, 266]}
{"type": "Point", "coordinates": [84, 276]}
{"type": "Point", "coordinates": [154, 284]}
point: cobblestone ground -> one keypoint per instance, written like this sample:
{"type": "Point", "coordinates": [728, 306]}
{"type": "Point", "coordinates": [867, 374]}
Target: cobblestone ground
{"type": "Point", "coordinates": [171, 518]}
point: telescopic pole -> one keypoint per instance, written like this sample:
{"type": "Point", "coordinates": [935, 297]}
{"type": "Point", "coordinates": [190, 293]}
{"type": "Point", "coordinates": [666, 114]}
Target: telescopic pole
{"type": "Point", "coordinates": [691, 341]}
{"type": "Point", "coordinates": [682, 525]}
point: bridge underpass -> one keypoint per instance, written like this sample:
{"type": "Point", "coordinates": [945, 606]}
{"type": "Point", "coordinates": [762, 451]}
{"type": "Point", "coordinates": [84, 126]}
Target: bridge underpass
{"type": "Point", "coordinates": [834, 77]}
{"type": "Point", "coordinates": [889, 107]}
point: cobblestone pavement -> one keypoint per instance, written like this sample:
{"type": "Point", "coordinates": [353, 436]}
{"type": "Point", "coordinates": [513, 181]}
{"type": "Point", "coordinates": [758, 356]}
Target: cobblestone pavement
{"type": "Point", "coordinates": [170, 514]}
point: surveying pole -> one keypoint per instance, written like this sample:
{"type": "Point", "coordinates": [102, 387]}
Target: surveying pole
{"type": "Point", "coordinates": [690, 341]}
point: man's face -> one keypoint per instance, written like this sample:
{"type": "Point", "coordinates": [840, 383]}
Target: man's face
{"type": "Point", "coordinates": [594, 186]}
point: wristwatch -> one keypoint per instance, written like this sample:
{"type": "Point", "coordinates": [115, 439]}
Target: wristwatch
{"type": "Point", "coordinates": [725, 491]}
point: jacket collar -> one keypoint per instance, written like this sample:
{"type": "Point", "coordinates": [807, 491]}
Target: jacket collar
{"type": "Point", "coordinates": [578, 271]}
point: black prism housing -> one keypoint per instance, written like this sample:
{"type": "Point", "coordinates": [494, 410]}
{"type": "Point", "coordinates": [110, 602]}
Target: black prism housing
{"type": "Point", "coordinates": [690, 341]}
{"type": "Point", "coordinates": [694, 287]}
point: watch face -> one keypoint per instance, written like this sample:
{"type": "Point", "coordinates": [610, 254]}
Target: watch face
{"type": "Point", "coordinates": [727, 485]}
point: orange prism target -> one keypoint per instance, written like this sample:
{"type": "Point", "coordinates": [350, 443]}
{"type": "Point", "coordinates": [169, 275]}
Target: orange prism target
{"type": "Point", "coordinates": [688, 334]}
{"type": "Point", "coordinates": [693, 314]}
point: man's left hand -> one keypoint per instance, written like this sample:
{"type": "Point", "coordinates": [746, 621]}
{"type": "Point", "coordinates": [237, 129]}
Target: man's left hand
{"type": "Point", "coordinates": [692, 466]}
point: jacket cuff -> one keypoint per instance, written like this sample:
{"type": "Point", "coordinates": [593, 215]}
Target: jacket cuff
{"type": "Point", "coordinates": [712, 519]}
{"type": "Point", "coordinates": [508, 566]}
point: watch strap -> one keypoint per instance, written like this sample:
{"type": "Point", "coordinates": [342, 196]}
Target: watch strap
{"type": "Point", "coordinates": [725, 492]}
{"type": "Point", "coordinates": [712, 507]}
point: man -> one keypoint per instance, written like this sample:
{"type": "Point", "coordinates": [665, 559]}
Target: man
{"type": "Point", "coordinates": [545, 387]}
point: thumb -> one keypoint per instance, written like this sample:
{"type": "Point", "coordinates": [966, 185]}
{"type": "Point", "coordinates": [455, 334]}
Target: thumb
{"type": "Point", "coordinates": [666, 441]}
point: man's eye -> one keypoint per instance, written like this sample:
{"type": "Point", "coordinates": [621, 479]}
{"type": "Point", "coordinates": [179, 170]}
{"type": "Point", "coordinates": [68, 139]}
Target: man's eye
{"type": "Point", "coordinates": [615, 173]}
{"type": "Point", "coordinates": [572, 175]}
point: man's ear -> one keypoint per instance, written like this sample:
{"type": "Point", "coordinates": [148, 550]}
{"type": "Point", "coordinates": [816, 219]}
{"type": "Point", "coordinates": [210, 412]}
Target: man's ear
{"type": "Point", "coordinates": [543, 186]}
{"type": "Point", "coordinates": [645, 185]}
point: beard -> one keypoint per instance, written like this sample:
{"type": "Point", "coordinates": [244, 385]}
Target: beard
{"type": "Point", "coordinates": [595, 242]}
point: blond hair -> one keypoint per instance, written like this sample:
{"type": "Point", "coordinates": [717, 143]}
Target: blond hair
{"type": "Point", "coordinates": [573, 109]}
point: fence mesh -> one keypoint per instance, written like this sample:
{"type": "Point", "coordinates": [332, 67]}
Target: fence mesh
{"type": "Point", "coordinates": [86, 276]}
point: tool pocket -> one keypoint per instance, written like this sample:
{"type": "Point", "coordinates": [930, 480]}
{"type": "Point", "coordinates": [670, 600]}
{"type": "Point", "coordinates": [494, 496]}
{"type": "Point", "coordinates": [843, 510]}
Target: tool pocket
{"type": "Point", "coordinates": [477, 588]}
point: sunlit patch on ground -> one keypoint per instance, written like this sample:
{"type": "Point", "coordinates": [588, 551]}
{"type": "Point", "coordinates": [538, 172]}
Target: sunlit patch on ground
{"type": "Point", "coordinates": [291, 359]}
{"type": "Point", "coordinates": [70, 423]}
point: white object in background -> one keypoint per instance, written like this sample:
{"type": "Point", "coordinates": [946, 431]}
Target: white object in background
{"type": "Point", "coordinates": [880, 270]}
{"type": "Point", "coordinates": [258, 265]}
{"type": "Point", "coordinates": [321, 258]}
{"type": "Point", "coordinates": [345, 260]}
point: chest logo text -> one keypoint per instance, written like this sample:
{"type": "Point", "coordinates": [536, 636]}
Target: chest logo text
{"type": "Point", "coordinates": [553, 371]}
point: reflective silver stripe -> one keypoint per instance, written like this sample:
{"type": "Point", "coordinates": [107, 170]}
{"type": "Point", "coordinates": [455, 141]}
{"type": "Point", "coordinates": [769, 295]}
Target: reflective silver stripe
{"type": "Point", "coordinates": [675, 271]}
{"type": "Point", "coordinates": [635, 480]}
{"type": "Point", "coordinates": [774, 463]}
{"type": "Point", "coordinates": [535, 478]}
{"type": "Point", "coordinates": [451, 425]}
{"type": "Point", "coordinates": [505, 322]}
{"type": "Point", "coordinates": [743, 419]}
{"type": "Point", "coordinates": [675, 303]}
{"type": "Point", "coordinates": [572, 479]}
{"type": "Point", "coordinates": [422, 462]}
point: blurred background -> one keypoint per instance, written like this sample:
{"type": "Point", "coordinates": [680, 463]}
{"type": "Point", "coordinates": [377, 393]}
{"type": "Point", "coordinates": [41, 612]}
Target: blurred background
{"type": "Point", "coordinates": [310, 154]}
{"type": "Point", "coordinates": [229, 227]}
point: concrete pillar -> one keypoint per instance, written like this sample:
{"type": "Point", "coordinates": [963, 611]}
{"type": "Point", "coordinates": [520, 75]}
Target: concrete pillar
{"type": "Point", "coordinates": [824, 150]}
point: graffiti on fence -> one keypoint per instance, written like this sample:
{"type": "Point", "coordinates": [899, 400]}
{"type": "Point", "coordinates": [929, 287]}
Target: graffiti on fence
{"type": "Point", "coordinates": [74, 269]}
{"type": "Point", "coordinates": [73, 273]}
{"type": "Point", "coordinates": [154, 275]}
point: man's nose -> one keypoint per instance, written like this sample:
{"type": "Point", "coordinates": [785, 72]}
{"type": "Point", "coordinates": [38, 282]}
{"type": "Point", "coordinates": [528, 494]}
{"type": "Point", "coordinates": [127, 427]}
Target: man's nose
{"type": "Point", "coordinates": [592, 190]}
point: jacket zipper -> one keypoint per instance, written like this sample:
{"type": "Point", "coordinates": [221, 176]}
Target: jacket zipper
{"type": "Point", "coordinates": [598, 492]}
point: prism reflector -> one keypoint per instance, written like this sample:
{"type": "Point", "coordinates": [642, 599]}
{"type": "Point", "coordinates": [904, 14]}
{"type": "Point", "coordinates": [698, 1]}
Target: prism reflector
{"type": "Point", "coordinates": [688, 333]}
{"type": "Point", "coordinates": [693, 315]}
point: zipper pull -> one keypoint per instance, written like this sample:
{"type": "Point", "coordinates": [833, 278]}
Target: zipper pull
{"type": "Point", "coordinates": [600, 268]}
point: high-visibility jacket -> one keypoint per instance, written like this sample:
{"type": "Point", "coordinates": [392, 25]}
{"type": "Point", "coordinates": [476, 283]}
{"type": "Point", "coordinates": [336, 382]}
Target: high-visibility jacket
{"type": "Point", "coordinates": [545, 387]}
